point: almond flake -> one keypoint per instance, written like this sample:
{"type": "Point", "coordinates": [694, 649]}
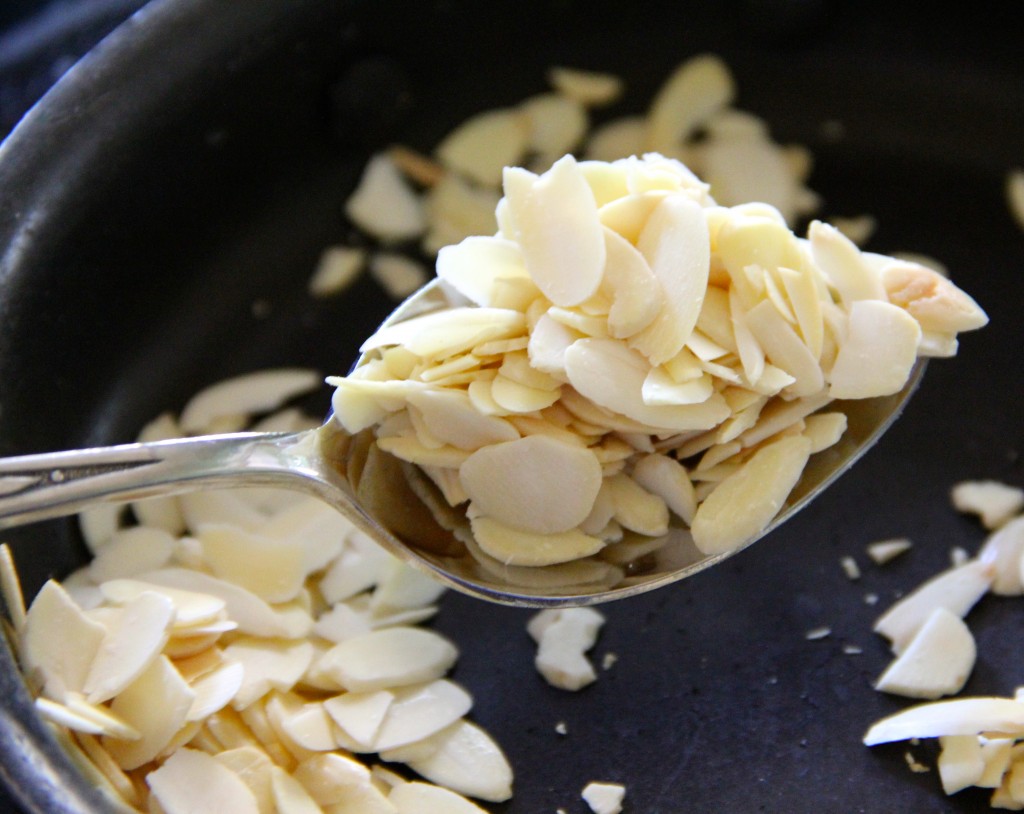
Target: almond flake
{"type": "Point", "coordinates": [191, 781]}
{"type": "Point", "coordinates": [696, 89]}
{"type": "Point", "coordinates": [420, 710]}
{"type": "Point", "coordinates": [992, 717]}
{"type": "Point", "coordinates": [337, 268]}
{"type": "Point", "coordinates": [483, 145]}
{"type": "Point", "coordinates": [936, 662]}
{"type": "Point", "coordinates": [389, 658]}
{"type": "Point", "coordinates": [590, 88]}
{"type": "Point", "coordinates": [423, 798]}
{"type": "Point", "coordinates": [604, 798]}
{"type": "Point", "coordinates": [885, 551]}
{"type": "Point", "coordinates": [383, 204]}
{"type": "Point", "coordinates": [252, 393]}
{"type": "Point", "coordinates": [464, 758]}
{"type": "Point", "coordinates": [1004, 550]}
{"type": "Point", "coordinates": [994, 502]}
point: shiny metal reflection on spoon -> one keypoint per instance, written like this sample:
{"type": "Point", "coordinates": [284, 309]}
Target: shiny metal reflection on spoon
{"type": "Point", "coordinates": [389, 501]}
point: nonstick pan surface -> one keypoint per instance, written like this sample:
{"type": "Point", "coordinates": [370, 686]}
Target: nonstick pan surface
{"type": "Point", "coordinates": [164, 205]}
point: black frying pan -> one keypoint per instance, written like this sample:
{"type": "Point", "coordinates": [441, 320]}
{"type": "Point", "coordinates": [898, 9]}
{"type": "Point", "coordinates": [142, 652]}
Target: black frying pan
{"type": "Point", "coordinates": [196, 163]}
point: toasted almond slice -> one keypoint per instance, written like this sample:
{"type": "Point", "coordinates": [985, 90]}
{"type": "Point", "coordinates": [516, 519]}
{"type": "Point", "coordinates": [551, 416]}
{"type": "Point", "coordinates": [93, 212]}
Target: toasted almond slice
{"type": "Point", "coordinates": [676, 245]}
{"type": "Point", "coordinates": [592, 363]}
{"type": "Point", "coordinates": [617, 138]}
{"type": "Point", "coordinates": [465, 759]}
{"type": "Point", "coordinates": [138, 634]}
{"type": "Point", "coordinates": [191, 781]}
{"type": "Point", "coordinates": [513, 547]}
{"type": "Point", "coordinates": [590, 88]}
{"type": "Point", "coordinates": [272, 569]}
{"type": "Point", "coordinates": [995, 717]}
{"type": "Point", "coordinates": [252, 393]}
{"type": "Point", "coordinates": [558, 231]}
{"type": "Point", "coordinates": [698, 88]}
{"type": "Point", "coordinates": [156, 704]}
{"type": "Point", "coordinates": [956, 589]}
{"type": "Point", "coordinates": [131, 551]}
{"type": "Point", "coordinates": [473, 266]}
{"type": "Point", "coordinates": [960, 762]}
{"type": "Point", "coordinates": [1004, 551]}
{"type": "Point", "coordinates": [388, 658]}
{"type": "Point", "coordinates": [843, 265]}
{"type": "Point", "coordinates": [483, 145]}
{"type": "Point", "coordinates": [447, 333]}
{"type": "Point", "coordinates": [59, 642]}
{"type": "Point", "coordinates": [936, 662]}
{"type": "Point", "coordinates": [745, 502]}
{"type": "Point", "coordinates": [518, 483]}
{"type": "Point", "coordinates": [557, 124]}
{"type": "Point", "coordinates": [290, 797]}
{"type": "Point", "coordinates": [937, 304]}
{"type": "Point", "coordinates": [994, 502]}
{"type": "Point", "coordinates": [360, 714]}
{"type": "Point", "coordinates": [397, 274]}
{"type": "Point", "coordinates": [877, 355]}
{"type": "Point", "coordinates": [268, 664]}
{"type": "Point", "coordinates": [384, 204]}
{"type": "Point", "coordinates": [423, 798]}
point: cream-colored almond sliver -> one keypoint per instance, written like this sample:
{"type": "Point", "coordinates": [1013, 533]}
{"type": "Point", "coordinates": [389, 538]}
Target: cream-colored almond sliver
{"type": "Point", "coordinates": [257, 392]}
{"type": "Point", "coordinates": [696, 89]}
{"type": "Point", "coordinates": [843, 265]}
{"type": "Point", "coordinates": [384, 204]}
{"type": "Point", "coordinates": [878, 352]}
{"type": "Point", "coordinates": [473, 266]}
{"type": "Point", "coordinates": [676, 245]}
{"type": "Point", "coordinates": [937, 661]}
{"type": "Point", "coordinates": [591, 88]}
{"type": "Point", "coordinates": [452, 419]}
{"type": "Point", "coordinates": [592, 365]}
{"type": "Point", "coordinates": [512, 547]}
{"type": "Point", "coordinates": [785, 348]}
{"type": "Point", "coordinates": [446, 333]}
{"type": "Point", "coordinates": [631, 285]}
{"type": "Point", "coordinates": [558, 230]}
{"type": "Point", "coordinates": [484, 144]}
{"type": "Point", "coordinates": [745, 502]}
{"type": "Point", "coordinates": [995, 717]}
{"type": "Point", "coordinates": [535, 484]}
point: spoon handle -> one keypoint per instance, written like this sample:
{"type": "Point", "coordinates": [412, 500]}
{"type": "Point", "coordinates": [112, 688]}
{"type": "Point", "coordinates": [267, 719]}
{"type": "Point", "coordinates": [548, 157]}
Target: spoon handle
{"type": "Point", "coordinates": [54, 484]}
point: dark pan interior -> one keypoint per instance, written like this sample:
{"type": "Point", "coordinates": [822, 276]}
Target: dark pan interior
{"type": "Point", "coordinates": [163, 207]}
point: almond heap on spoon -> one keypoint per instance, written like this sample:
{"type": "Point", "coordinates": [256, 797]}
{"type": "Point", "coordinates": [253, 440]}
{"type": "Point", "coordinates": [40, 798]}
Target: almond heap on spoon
{"type": "Point", "coordinates": [631, 354]}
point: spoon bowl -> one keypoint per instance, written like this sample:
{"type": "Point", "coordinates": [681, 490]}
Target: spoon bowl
{"type": "Point", "coordinates": [392, 502]}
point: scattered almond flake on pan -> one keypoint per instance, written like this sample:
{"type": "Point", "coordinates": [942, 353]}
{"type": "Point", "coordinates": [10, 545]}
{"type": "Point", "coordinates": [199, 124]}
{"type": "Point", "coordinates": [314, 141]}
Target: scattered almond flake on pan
{"type": "Point", "coordinates": [994, 502]}
{"type": "Point", "coordinates": [384, 204]}
{"type": "Point", "coordinates": [742, 356]}
{"type": "Point", "coordinates": [604, 798]}
{"type": "Point", "coordinates": [563, 637]}
{"type": "Point", "coordinates": [850, 568]}
{"type": "Point", "coordinates": [937, 661]}
{"type": "Point", "coordinates": [885, 551]}
{"type": "Point", "coordinates": [251, 393]}
{"type": "Point", "coordinates": [591, 88]}
{"type": "Point", "coordinates": [211, 694]}
{"type": "Point", "coordinates": [397, 274]}
{"type": "Point", "coordinates": [816, 633]}
{"type": "Point", "coordinates": [1004, 550]}
{"type": "Point", "coordinates": [337, 268]}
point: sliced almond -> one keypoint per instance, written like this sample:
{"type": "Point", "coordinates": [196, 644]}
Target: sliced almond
{"type": "Point", "coordinates": [474, 266]}
{"type": "Point", "coordinates": [956, 590]}
{"type": "Point", "coordinates": [397, 274]}
{"type": "Point", "coordinates": [877, 355]}
{"type": "Point", "coordinates": [290, 797]}
{"type": "Point", "coordinates": [360, 714]}
{"type": "Point", "coordinates": [420, 710]}
{"type": "Point", "coordinates": [591, 88]}
{"type": "Point", "coordinates": [517, 483]}
{"type": "Point", "coordinates": [512, 547]}
{"type": "Point", "coordinates": [384, 204]}
{"type": "Point", "coordinates": [483, 145]}
{"type": "Point", "coordinates": [1004, 551]}
{"type": "Point", "coordinates": [936, 662]}
{"type": "Point", "coordinates": [389, 658]}
{"type": "Point", "coordinates": [267, 664]}
{"type": "Point", "coordinates": [191, 781]}
{"type": "Point", "coordinates": [761, 486]}
{"type": "Point", "coordinates": [994, 502]}
{"type": "Point", "coordinates": [695, 90]}
{"type": "Point", "coordinates": [252, 393]}
{"type": "Point", "coordinates": [464, 758]}
{"type": "Point", "coordinates": [557, 124]}
{"type": "Point", "coordinates": [337, 268]}
{"type": "Point", "coordinates": [423, 798]}
{"type": "Point", "coordinates": [995, 717]}
{"type": "Point", "coordinates": [558, 230]}
{"type": "Point", "coordinates": [667, 478]}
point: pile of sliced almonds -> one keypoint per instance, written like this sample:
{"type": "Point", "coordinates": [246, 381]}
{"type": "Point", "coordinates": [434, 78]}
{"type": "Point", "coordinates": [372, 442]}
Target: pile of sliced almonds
{"type": "Point", "coordinates": [630, 351]}
{"type": "Point", "coordinates": [982, 738]}
{"type": "Point", "coordinates": [250, 647]}
{"type": "Point", "coordinates": [442, 199]}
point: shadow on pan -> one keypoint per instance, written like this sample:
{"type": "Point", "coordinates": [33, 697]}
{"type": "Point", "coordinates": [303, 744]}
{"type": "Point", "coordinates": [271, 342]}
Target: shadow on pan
{"type": "Point", "coordinates": [161, 211]}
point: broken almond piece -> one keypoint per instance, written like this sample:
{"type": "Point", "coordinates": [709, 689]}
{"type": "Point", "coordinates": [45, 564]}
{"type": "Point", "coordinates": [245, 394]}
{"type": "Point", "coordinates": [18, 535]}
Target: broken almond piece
{"type": "Point", "coordinates": [956, 590]}
{"type": "Point", "coordinates": [384, 204]}
{"type": "Point", "coordinates": [937, 661]}
{"type": "Point", "coordinates": [1004, 551]}
{"type": "Point", "coordinates": [604, 798]}
{"type": "Point", "coordinates": [885, 551]}
{"type": "Point", "coordinates": [992, 717]}
{"type": "Point", "coordinates": [563, 638]}
{"type": "Point", "coordinates": [994, 502]}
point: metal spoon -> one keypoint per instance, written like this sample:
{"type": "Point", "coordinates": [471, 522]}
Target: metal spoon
{"type": "Point", "coordinates": [385, 498]}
